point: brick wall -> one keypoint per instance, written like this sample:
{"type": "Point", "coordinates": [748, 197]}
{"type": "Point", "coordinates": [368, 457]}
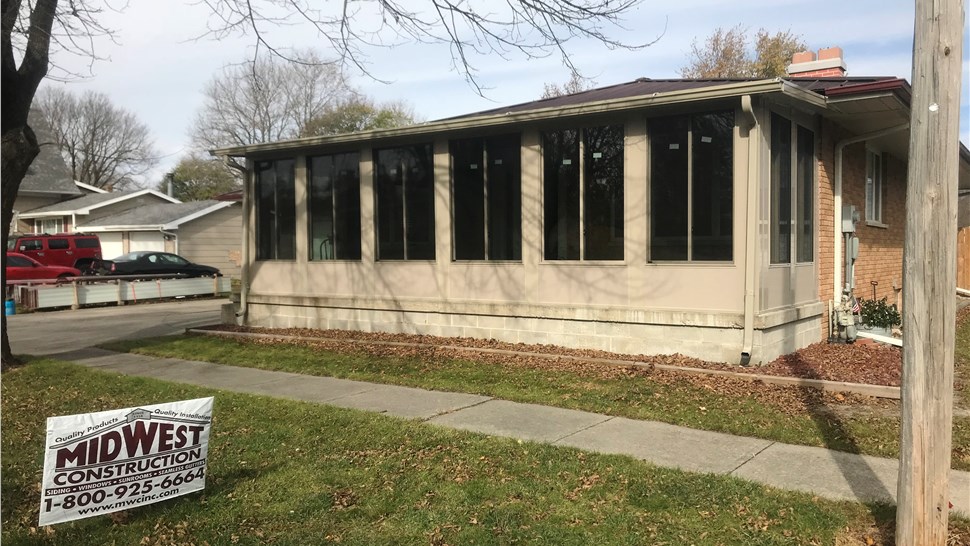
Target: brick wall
{"type": "Point", "coordinates": [880, 248]}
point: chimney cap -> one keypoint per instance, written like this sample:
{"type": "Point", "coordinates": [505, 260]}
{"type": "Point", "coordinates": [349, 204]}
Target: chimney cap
{"type": "Point", "coordinates": [828, 64]}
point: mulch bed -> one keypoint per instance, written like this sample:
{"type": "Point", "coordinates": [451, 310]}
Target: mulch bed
{"type": "Point", "coordinates": [869, 363]}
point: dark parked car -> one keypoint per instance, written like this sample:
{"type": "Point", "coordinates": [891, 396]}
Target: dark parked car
{"type": "Point", "coordinates": [147, 262]}
{"type": "Point", "coordinates": [25, 268]}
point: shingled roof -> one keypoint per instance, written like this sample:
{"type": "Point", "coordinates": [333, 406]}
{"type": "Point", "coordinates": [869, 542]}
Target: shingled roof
{"type": "Point", "coordinates": [167, 216]}
{"type": "Point", "coordinates": [48, 174]}
{"type": "Point", "coordinates": [647, 86]}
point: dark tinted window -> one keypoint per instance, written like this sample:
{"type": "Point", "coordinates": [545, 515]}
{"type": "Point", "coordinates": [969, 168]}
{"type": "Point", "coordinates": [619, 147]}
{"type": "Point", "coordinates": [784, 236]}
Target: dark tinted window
{"type": "Point", "coordinates": [692, 187]}
{"type": "Point", "coordinates": [468, 192]}
{"type": "Point", "coordinates": [712, 186]}
{"type": "Point", "coordinates": [405, 203]}
{"type": "Point", "coordinates": [781, 159]}
{"type": "Point", "coordinates": [30, 244]}
{"type": "Point", "coordinates": [805, 212]}
{"type": "Point", "coordinates": [86, 242]}
{"type": "Point", "coordinates": [560, 159]}
{"type": "Point", "coordinates": [17, 261]}
{"type": "Point", "coordinates": [58, 244]}
{"type": "Point", "coordinates": [487, 198]}
{"type": "Point", "coordinates": [335, 207]}
{"type": "Point", "coordinates": [275, 210]}
{"type": "Point", "coordinates": [603, 192]}
{"type": "Point", "coordinates": [668, 188]}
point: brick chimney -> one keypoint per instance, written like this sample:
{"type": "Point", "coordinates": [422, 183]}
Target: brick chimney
{"type": "Point", "coordinates": [828, 64]}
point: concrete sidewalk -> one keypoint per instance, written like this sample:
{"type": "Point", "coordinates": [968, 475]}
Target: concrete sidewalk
{"type": "Point", "coordinates": [831, 474]}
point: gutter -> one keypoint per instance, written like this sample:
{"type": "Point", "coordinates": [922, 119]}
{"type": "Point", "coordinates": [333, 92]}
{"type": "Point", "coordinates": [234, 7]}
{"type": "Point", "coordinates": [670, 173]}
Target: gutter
{"type": "Point", "coordinates": [837, 199]}
{"type": "Point", "coordinates": [241, 315]}
{"type": "Point", "coordinates": [751, 228]}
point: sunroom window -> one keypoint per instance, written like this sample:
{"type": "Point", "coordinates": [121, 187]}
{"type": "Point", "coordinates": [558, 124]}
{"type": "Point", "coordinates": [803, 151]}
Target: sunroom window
{"type": "Point", "coordinates": [792, 192]}
{"type": "Point", "coordinates": [405, 203]}
{"type": "Point", "coordinates": [486, 198]}
{"type": "Point", "coordinates": [583, 203]}
{"type": "Point", "coordinates": [275, 210]}
{"type": "Point", "coordinates": [335, 207]}
{"type": "Point", "coordinates": [692, 187]}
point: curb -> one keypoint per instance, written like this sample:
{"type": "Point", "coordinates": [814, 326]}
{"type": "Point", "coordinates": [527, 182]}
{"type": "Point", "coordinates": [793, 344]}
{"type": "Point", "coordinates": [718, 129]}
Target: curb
{"type": "Point", "coordinates": [876, 391]}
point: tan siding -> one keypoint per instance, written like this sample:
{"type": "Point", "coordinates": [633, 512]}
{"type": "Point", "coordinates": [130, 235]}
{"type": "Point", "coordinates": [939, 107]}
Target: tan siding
{"type": "Point", "coordinates": [214, 239]}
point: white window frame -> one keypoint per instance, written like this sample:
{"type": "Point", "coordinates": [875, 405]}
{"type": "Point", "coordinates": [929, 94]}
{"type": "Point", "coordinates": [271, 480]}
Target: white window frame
{"type": "Point", "coordinates": [875, 186]}
{"type": "Point", "coordinates": [40, 223]}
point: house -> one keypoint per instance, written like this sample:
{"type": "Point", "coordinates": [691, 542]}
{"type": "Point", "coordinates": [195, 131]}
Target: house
{"type": "Point", "coordinates": [67, 216]}
{"type": "Point", "coordinates": [48, 180]}
{"type": "Point", "coordinates": [702, 217]}
{"type": "Point", "coordinates": [205, 232]}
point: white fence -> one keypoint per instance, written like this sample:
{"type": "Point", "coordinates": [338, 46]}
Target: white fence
{"type": "Point", "coordinates": [78, 293]}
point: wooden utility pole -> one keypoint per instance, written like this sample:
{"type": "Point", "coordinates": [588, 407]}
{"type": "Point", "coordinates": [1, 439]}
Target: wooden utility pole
{"type": "Point", "coordinates": [929, 273]}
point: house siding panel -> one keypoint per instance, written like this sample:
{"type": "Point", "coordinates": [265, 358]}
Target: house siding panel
{"type": "Point", "coordinates": [214, 239]}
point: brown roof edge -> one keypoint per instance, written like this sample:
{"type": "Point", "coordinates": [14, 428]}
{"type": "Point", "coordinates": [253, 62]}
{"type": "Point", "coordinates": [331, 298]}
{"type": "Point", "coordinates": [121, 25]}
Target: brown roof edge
{"type": "Point", "coordinates": [894, 84]}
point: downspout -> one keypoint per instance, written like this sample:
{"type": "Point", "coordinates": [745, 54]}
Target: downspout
{"type": "Point", "coordinates": [244, 267]}
{"type": "Point", "coordinates": [837, 201]}
{"type": "Point", "coordinates": [751, 229]}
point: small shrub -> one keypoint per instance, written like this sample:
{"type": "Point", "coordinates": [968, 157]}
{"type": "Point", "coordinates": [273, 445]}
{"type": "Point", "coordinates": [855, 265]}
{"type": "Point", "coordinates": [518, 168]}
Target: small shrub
{"type": "Point", "coordinates": [879, 313]}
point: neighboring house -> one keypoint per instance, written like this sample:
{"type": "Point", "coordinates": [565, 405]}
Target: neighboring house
{"type": "Point", "coordinates": [48, 180]}
{"type": "Point", "coordinates": [64, 216]}
{"type": "Point", "coordinates": [205, 232]}
{"type": "Point", "coordinates": [701, 217]}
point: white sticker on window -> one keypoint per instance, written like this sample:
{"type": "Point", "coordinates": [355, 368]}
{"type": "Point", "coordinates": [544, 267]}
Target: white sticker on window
{"type": "Point", "coordinates": [498, 161]}
{"type": "Point", "coordinates": [597, 155]}
{"type": "Point", "coordinates": [567, 161]}
{"type": "Point", "coordinates": [473, 166]}
{"type": "Point", "coordinates": [675, 146]}
{"type": "Point", "coordinates": [706, 139]}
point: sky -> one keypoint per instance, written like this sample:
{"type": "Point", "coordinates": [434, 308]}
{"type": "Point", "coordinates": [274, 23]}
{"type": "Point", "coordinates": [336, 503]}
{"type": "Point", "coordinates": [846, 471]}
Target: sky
{"type": "Point", "coordinates": [157, 65]}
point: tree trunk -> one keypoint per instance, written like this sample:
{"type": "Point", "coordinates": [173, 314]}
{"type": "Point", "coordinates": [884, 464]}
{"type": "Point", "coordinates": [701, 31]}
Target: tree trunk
{"type": "Point", "coordinates": [929, 276]}
{"type": "Point", "coordinates": [19, 148]}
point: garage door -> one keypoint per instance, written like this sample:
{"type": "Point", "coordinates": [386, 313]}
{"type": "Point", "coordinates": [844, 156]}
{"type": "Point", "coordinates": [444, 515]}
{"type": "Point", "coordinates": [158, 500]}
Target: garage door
{"type": "Point", "coordinates": [146, 240]}
{"type": "Point", "coordinates": [111, 245]}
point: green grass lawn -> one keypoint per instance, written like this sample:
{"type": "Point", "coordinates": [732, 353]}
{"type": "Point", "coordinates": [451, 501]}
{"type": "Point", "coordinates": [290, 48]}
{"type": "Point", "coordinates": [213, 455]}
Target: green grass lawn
{"type": "Point", "coordinates": [784, 414]}
{"type": "Point", "coordinates": [285, 472]}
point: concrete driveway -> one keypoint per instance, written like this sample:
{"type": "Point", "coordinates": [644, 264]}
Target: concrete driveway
{"type": "Point", "coordinates": [61, 331]}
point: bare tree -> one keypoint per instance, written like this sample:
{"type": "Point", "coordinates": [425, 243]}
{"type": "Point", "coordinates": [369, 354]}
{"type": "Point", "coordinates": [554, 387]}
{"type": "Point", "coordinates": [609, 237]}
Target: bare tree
{"type": "Point", "coordinates": [522, 28]}
{"type": "Point", "coordinates": [725, 54]}
{"type": "Point", "coordinates": [270, 99]}
{"type": "Point", "coordinates": [105, 145]}
{"type": "Point", "coordinates": [577, 84]}
{"type": "Point", "coordinates": [359, 113]}
{"type": "Point", "coordinates": [197, 178]}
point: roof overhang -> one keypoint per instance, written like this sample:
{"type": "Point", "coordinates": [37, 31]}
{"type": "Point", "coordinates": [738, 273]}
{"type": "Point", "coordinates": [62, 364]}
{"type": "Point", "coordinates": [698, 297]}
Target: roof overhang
{"type": "Point", "coordinates": [83, 211]}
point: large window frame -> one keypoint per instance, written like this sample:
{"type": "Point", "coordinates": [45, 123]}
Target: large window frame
{"type": "Point", "coordinates": [793, 166]}
{"type": "Point", "coordinates": [875, 186]}
{"type": "Point", "coordinates": [333, 219]}
{"type": "Point", "coordinates": [692, 187]}
{"type": "Point", "coordinates": [49, 225]}
{"type": "Point", "coordinates": [404, 194]}
{"type": "Point", "coordinates": [275, 203]}
{"type": "Point", "coordinates": [583, 193]}
{"type": "Point", "coordinates": [486, 191]}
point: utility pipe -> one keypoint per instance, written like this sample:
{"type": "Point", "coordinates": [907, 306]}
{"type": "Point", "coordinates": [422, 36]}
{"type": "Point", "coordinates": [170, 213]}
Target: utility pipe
{"type": "Point", "coordinates": [751, 228]}
{"type": "Point", "coordinates": [837, 199]}
{"type": "Point", "coordinates": [244, 267]}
